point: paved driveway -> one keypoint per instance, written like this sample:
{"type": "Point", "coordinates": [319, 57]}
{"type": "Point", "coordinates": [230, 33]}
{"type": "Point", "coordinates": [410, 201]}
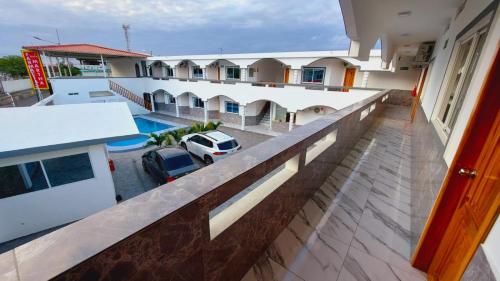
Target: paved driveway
{"type": "Point", "coordinates": [131, 180]}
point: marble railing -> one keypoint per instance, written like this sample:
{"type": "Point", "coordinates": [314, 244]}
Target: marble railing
{"type": "Point", "coordinates": [187, 230]}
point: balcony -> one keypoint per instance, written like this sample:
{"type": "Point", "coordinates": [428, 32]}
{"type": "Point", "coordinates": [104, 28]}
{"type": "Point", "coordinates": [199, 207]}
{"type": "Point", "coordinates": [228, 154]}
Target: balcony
{"type": "Point", "coordinates": [338, 190]}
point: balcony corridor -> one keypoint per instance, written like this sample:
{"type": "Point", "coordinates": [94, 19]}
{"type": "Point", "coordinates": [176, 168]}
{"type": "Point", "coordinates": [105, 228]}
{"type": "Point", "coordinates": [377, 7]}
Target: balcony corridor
{"type": "Point", "coordinates": [358, 225]}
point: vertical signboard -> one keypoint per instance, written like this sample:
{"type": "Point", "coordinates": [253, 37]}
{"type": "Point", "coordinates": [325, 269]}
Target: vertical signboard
{"type": "Point", "coordinates": [35, 69]}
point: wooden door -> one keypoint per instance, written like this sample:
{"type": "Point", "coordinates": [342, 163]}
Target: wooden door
{"type": "Point", "coordinates": [349, 78]}
{"type": "Point", "coordinates": [469, 202]}
{"type": "Point", "coordinates": [287, 76]}
{"type": "Point", "coordinates": [147, 101]}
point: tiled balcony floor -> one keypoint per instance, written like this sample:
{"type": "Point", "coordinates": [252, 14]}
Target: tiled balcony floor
{"type": "Point", "coordinates": [358, 225]}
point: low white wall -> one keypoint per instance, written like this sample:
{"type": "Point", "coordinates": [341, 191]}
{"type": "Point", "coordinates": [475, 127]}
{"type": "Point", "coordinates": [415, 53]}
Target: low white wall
{"type": "Point", "coordinates": [307, 115]}
{"type": "Point", "coordinates": [11, 86]}
{"type": "Point", "coordinates": [65, 89]}
{"type": "Point", "coordinates": [39, 210]}
{"type": "Point", "coordinates": [400, 80]}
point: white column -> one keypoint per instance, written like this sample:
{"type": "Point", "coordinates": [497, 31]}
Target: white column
{"type": "Point", "coordinates": [103, 67]}
{"type": "Point", "coordinates": [206, 111]}
{"type": "Point", "coordinates": [295, 76]}
{"type": "Point", "coordinates": [271, 106]}
{"type": "Point", "coordinates": [152, 102]}
{"type": "Point", "coordinates": [177, 114]}
{"type": "Point", "coordinates": [69, 68]}
{"type": "Point", "coordinates": [364, 82]}
{"type": "Point", "coordinates": [46, 65]}
{"type": "Point", "coordinates": [52, 67]}
{"type": "Point", "coordinates": [243, 74]}
{"type": "Point", "coordinates": [242, 107]}
{"type": "Point", "coordinates": [174, 72]}
{"type": "Point", "coordinates": [163, 71]}
{"type": "Point", "coordinates": [204, 70]}
{"type": "Point", "coordinates": [290, 124]}
{"type": "Point", "coordinates": [58, 67]}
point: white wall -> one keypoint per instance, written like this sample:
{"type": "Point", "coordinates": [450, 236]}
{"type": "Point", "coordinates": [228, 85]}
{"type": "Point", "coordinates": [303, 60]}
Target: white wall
{"type": "Point", "coordinates": [123, 67]}
{"type": "Point", "coordinates": [334, 72]}
{"type": "Point", "coordinates": [211, 73]}
{"type": "Point", "coordinates": [254, 108]}
{"type": "Point", "coordinates": [438, 77]}
{"type": "Point", "coordinates": [11, 86]}
{"type": "Point", "coordinates": [268, 70]}
{"type": "Point", "coordinates": [401, 80]}
{"type": "Point", "coordinates": [491, 248]}
{"type": "Point", "coordinates": [307, 115]}
{"type": "Point", "coordinates": [214, 104]}
{"type": "Point", "coordinates": [35, 211]}
{"type": "Point", "coordinates": [63, 87]}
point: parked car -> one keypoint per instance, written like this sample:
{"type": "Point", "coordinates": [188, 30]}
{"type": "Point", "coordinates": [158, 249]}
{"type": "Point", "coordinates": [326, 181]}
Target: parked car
{"type": "Point", "coordinates": [168, 164]}
{"type": "Point", "coordinates": [210, 146]}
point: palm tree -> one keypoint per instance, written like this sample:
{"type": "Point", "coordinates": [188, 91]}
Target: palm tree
{"type": "Point", "coordinates": [178, 134]}
{"type": "Point", "coordinates": [159, 140]}
{"type": "Point", "coordinates": [212, 126]}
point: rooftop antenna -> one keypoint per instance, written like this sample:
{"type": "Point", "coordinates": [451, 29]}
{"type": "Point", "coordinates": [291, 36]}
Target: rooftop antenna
{"type": "Point", "coordinates": [126, 27]}
{"type": "Point", "coordinates": [221, 50]}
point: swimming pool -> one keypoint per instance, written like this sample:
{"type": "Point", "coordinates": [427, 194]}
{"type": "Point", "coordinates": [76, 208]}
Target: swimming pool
{"type": "Point", "coordinates": [145, 126]}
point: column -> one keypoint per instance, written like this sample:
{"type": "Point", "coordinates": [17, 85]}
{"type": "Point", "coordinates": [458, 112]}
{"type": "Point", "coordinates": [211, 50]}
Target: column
{"type": "Point", "coordinates": [290, 124]}
{"type": "Point", "coordinates": [364, 82]}
{"type": "Point", "coordinates": [296, 76]}
{"type": "Point", "coordinates": [58, 67]}
{"type": "Point", "coordinates": [69, 68]}
{"type": "Point", "coordinates": [163, 71]}
{"type": "Point", "coordinates": [152, 96]}
{"type": "Point", "coordinates": [204, 70]}
{"type": "Point", "coordinates": [271, 115]}
{"type": "Point", "coordinates": [52, 67]}
{"type": "Point", "coordinates": [243, 74]}
{"type": "Point", "coordinates": [174, 72]}
{"type": "Point", "coordinates": [206, 111]}
{"type": "Point", "coordinates": [177, 107]}
{"type": "Point", "coordinates": [46, 65]}
{"type": "Point", "coordinates": [103, 67]}
{"type": "Point", "coordinates": [242, 107]}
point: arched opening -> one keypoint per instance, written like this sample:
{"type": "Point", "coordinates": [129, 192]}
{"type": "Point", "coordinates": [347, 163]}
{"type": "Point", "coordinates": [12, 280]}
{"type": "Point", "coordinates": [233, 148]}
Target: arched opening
{"type": "Point", "coordinates": [217, 70]}
{"type": "Point", "coordinates": [185, 69]}
{"type": "Point", "coordinates": [312, 113]}
{"type": "Point", "coordinates": [269, 70]}
{"type": "Point", "coordinates": [164, 102]}
{"type": "Point", "coordinates": [328, 71]}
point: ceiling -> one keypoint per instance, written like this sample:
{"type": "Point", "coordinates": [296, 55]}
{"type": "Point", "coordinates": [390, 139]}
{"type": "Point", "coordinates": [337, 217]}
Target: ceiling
{"type": "Point", "coordinates": [401, 25]}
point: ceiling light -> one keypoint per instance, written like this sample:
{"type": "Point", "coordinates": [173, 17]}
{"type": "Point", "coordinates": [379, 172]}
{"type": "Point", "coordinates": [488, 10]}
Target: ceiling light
{"type": "Point", "coordinates": [404, 14]}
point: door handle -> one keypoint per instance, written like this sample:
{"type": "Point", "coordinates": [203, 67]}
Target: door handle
{"type": "Point", "coordinates": [470, 173]}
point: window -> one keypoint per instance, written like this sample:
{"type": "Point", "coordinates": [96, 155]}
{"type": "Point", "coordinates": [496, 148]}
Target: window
{"type": "Point", "coordinates": [313, 75]}
{"type": "Point", "coordinates": [227, 145]}
{"type": "Point", "coordinates": [170, 72]}
{"type": "Point", "coordinates": [39, 175]}
{"type": "Point", "coordinates": [177, 162]}
{"type": "Point", "coordinates": [468, 53]}
{"type": "Point", "coordinates": [197, 102]}
{"type": "Point", "coordinates": [232, 107]}
{"type": "Point", "coordinates": [205, 142]}
{"type": "Point", "coordinates": [233, 73]}
{"type": "Point", "coordinates": [68, 169]}
{"type": "Point", "coordinates": [251, 72]}
{"type": "Point", "coordinates": [197, 72]}
{"type": "Point", "coordinates": [171, 99]}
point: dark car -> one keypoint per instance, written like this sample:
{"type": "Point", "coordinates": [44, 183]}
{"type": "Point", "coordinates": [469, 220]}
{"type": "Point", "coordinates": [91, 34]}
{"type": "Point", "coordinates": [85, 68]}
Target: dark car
{"type": "Point", "coordinates": [167, 164]}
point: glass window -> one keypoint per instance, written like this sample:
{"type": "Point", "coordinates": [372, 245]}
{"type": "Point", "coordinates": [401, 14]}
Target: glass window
{"type": "Point", "coordinates": [170, 72]}
{"type": "Point", "coordinates": [313, 75]}
{"type": "Point", "coordinates": [227, 145]}
{"type": "Point", "coordinates": [197, 72]}
{"type": "Point", "coordinates": [251, 72]}
{"type": "Point", "coordinates": [178, 162]}
{"type": "Point", "coordinates": [203, 141]}
{"type": "Point", "coordinates": [233, 73]}
{"type": "Point", "coordinates": [197, 102]}
{"type": "Point", "coordinates": [232, 107]}
{"type": "Point", "coordinates": [68, 169]}
{"type": "Point", "coordinates": [171, 99]}
{"type": "Point", "coordinates": [22, 178]}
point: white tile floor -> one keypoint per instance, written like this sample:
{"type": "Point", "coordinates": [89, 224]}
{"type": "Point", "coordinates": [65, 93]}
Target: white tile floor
{"type": "Point", "coordinates": [358, 224]}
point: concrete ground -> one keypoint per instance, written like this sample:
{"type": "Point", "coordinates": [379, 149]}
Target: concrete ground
{"type": "Point", "coordinates": [21, 98]}
{"type": "Point", "coordinates": [131, 180]}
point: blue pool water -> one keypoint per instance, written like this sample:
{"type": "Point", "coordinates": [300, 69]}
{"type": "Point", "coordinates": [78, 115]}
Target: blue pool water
{"type": "Point", "coordinates": [145, 126]}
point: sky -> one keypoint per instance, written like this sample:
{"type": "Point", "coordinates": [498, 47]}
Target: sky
{"type": "Point", "coordinates": [176, 27]}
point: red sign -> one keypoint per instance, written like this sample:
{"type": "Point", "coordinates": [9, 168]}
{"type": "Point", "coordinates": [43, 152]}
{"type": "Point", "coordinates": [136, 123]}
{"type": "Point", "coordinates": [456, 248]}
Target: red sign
{"type": "Point", "coordinates": [35, 69]}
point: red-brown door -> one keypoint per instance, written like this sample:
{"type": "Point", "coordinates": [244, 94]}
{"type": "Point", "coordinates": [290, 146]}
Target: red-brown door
{"type": "Point", "coordinates": [349, 78]}
{"type": "Point", "coordinates": [469, 201]}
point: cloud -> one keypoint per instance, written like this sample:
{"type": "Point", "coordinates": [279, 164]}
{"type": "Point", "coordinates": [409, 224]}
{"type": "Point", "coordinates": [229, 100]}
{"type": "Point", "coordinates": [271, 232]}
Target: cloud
{"type": "Point", "coordinates": [163, 26]}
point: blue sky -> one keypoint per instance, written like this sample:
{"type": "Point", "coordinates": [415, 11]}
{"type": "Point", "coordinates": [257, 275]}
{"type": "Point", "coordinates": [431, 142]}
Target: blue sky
{"type": "Point", "coordinates": [176, 27]}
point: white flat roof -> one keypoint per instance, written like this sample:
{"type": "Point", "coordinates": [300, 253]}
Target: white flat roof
{"type": "Point", "coordinates": [27, 130]}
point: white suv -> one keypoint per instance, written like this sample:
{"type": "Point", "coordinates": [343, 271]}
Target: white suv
{"type": "Point", "coordinates": [210, 146]}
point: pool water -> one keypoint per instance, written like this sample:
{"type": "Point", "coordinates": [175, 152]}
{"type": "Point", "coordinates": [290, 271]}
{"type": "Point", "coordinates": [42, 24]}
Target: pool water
{"type": "Point", "coordinates": [145, 126]}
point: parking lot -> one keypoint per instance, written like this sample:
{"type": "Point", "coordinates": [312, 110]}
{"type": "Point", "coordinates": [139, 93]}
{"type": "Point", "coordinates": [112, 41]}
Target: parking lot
{"type": "Point", "coordinates": [131, 180]}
